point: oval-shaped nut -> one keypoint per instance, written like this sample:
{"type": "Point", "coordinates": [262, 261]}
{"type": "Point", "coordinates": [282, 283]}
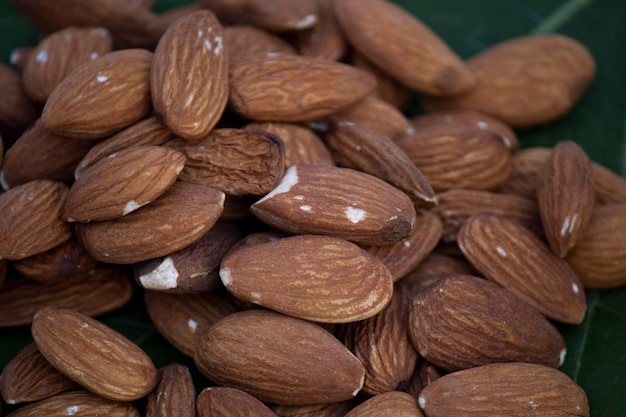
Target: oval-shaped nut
{"type": "Point", "coordinates": [525, 81]}
{"type": "Point", "coordinates": [599, 257]}
{"type": "Point", "coordinates": [321, 199]}
{"type": "Point", "coordinates": [17, 112]}
{"type": "Point", "coordinates": [174, 395]}
{"type": "Point", "coordinates": [458, 156]}
{"type": "Point", "coordinates": [338, 409]}
{"type": "Point", "coordinates": [173, 221]}
{"type": "Point", "coordinates": [396, 403]}
{"type": "Point", "coordinates": [395, 40]}
{"type": "Point", "coordinates": [107, 289]}
{"type": "Point", "coordinates": [189, 75]}
{"type": "Point", "coordinates": [241, 41]}
{"type": "Point", "coordinates": [101, 97]}
{"type": "Point", "coordinates": [504, 389]}
{"type": "Point", "coordinates": [31, 219]}
{"type": "Point", "coordinates": [94, 355]}
{"type": "Point", "coordinates": [84, 403]}
{"type": "Point", "coordinates": [513, 257]}
{"type": "Point", "coordinates": [122, 182]}
{"type": "Point", "coordinates": [387, 88]}
{"type": "Point", "coordinates": [280, 359]}
{"type": "Point", "coordinates": [291, 88]}
{"type": "Point", "coordinates": [58, 54]}
{"type": "Point", "coordinates": [527, 164]}
{"type": "Point", "coordinates": [565, 195]}
{"type": "Point", "coordinates": [325, 39]}
{"type": "Point", "coordinates": [229, 402]}
{"type": "Point", "coordinates": [317, 278]}
{"type": "Point", "coordinates": [463, 321]}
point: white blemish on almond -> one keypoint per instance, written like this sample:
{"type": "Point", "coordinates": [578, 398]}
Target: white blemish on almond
{"type": "Point", "coordinates": [189, 100]}
{"type": "Point", "coordinates": [207, 45]}
{"type": "Point", "coordinates": [482, 125]}
{"type": "Point", "coordinates": [421, 400]}
{"type": "Point", "coordinates": [355, 214]}
{"type": "Point", "coordinates": [71, 410]}
{"type": "Point", "coordinates": [562, 356]}
{"type": "Point", "coordinates": [500, 251]}
{"type": "Point", "coordinates": [101, 78]}
{"type": "Point", "coordinates": [3, 182]}
{"type": "Point", "coordinates": [93, 55]}
{"type": "Point", "coordinates": [575, 288]}
{"type": "Point", "coordinates": [193, 325]}
{"type": "Point", "coordinates": [407, 243]}
{"type": "Point", "coordinates": [299, 197]}
{"type": "Point", "coordinates": [42, 56]}
{"type": "Point", "coordinates": [131, 206]}
{"type": "Point", "coordinates": [307, 22]}
{"type": "Point", "coordinates": [289, 180]}
{"type": "Point", "coordinates": [226, 277]}
{"type": "Point", "coordinates": [219, 45]}
{"type": "Point", "coordinates": [15, 57]}
{"type": "Point", "coordinates": [200, 33]}
{"type": "Point", "coordinates": [164, 277]}
{"type": "Point", "coordinates": [255, 295]}
{"type": "Point", "coordinates": [306, 207]}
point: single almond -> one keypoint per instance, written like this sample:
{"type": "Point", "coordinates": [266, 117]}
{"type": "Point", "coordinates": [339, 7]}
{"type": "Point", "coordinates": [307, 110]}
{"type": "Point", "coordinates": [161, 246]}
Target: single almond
{"type": "Point", "coordinates": [402, 404]}
{"type": "Point", "coordinates": [323, 40]}
{"type": "Point", "coordinates": [174, 395]}
{"type": "Point", "coordinates": [230, 402]}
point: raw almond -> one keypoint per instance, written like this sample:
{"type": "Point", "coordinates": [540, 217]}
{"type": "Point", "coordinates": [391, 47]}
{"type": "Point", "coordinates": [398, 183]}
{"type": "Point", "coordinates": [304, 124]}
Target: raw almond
{"type": "Point", "coordinates": [174, 395]}
{"type": "Point", "coordinates": [399, 404]}
{"type": "Point", "coordinates": [338, 409]}
{"type": "Point", "coordinates": [387, 88]}
{"type": "Point", "coordinates": [17, 112]}
{"type": "Point", "coordinates": [323, 40]}
{"type": "Point", "coordinates": [241, 41]}
{"type": "Point", "coordinates": [280, 359]}
{"type": "Point", "coordinates": [230, 402]}
{"type": "Point", "coordinates": [317, 278]}
{"type": "Point", "coordinates": [189, 75]}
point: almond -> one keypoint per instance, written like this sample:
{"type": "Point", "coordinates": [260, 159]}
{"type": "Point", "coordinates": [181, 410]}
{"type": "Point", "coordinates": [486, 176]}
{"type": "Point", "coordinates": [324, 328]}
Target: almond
{"type": "Point", "coordinates": [230, 402]}
{"type": "Point", "coordinates": [17, 112]}
{"type": "Point", "coordinates": [511, 389]}
{"type": "Point", "coordinates": [323, 40]}
{"type": "Point", "coordinates": [387, 88]}
{"type": "Point", "coordinates": [174, 395]}
{"type": "Point", "coordinates": [512, 256]}
{"type": "Point", "coordinates": [463, 321]}
{"type": "Point", "coordinates": [241, 41]}
{"type": "Point", "coordinates": [320, 199]}
{"type": "Point", "coordinates": [527, 164]}
{"type": "Point", "coordinates": [338, 409]}
{"type": "Point", "coordinates": [397, 403]}
{"type": "Point", "coordinates": [94, 355]}
{"type": "Point", "coordinates": [189, 76]}
{"type": "Point", "coordinates": [279, 359]}
{"type": "Point", "coordinates": [425, 373]}
{"type": "Point", "coordinates": [317, 278]}
{"type": "Point", "coordinates": [101, 97]}
{"type": "Point", "coordinates": [395, 40]}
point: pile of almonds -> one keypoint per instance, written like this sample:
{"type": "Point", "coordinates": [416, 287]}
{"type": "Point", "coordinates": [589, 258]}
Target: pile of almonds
{"type": "Point", "coordinates": [249, 167]}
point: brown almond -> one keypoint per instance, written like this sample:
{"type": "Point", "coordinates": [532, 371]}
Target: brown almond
{"type": "Point", "coordinates": [191, 50]}
{"type": "Point", "coordinates": [387, 88]}
{"type": "Point", "coordinates": [17, 112]}
{"type": "Point", "coordinates": [395, 403]}
{"type": "Point", "coordinates": [280, 359]}
{"type": "Point", "coordinates": [527, 164]}
{"type": "Point", "coordinates": [242, 41]}
{"type": "Point", "coordinates": [513, 257]}
{"type": "Point", "coordinates": [323, 40]}
{"type": "Point", "coordinates": [425, 373]}
{"type": "Point", "coordinates": [338, 409]}
{"type": "Point", "coordinates": [19, 56]}
{"type": "Point", "coordinates": [230, 402]}
{"type": "Point", "coordinates": [174, 395]}
{"type": "Point", "coordinates": [93, 354]}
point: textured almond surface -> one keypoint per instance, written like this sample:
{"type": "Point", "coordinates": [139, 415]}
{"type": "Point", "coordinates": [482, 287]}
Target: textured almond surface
{"type": "Point", "coordinates": [175, 394]}
{"type": "Point", "coordinates": [320, 199]}
{"type": "Point", "coordinates": [279, 359]}
{"type": "Point", "coordinates": [94, 355]}
{"type": "Point", "coordinates": [318, 278]}
{"type": "Point", "coordinates": [189, 76]}
{"type": "Point", "coordinates": [230, 402]}
{"type": "Point", "coordinates": [395, 403]}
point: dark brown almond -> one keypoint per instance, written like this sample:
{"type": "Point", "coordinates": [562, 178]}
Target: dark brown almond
{"type": "Point", "coordinates": [387, 88]}
{"type": "Point", "coordinates": [230, 402]}
{"type": "Point", "coordinates": [17, 112]}
{"type": "Point", "coordinates": [338, 409]}
{"type": "Point", "coordinates": [174, 395]}
{"type": "Point", "coordinates": [425, 373]}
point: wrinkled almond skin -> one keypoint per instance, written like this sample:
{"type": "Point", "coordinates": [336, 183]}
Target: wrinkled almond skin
{"type": "Point", "coordinates": [463, 321]}
{"type": "Point", "coordinates": [513, 257]}
{"type": "Point", "coordinates": [101, 97]}
{"type": "Point", "coordinates": [291, 88]}
{"type": "Point", "coordinates": [189, 75]}
{"type": "Point", "coordinates": [599, 258]}
{"type": "Point", "coordinates": [504, 389]}
{"type": "Point", "coordinates": [387, 88]}
{"type": "Point", "coordinates": [30, 377]}
{"type": "Point", "coordinates": [230, 402]}
{"type": "Point", "coordinates": [94, 355]}
{"type": "Point", "coordinates": [525, 81]}
{"type": "Point", "coordinates": [105, 290]}
{"type": "Point", "coordinates": [395, 403]}
{"type": "Point", "coordinates": [174, 395]}
{"type": "Point", "coordinates": [241, 41]}
{"type": "Point", "coordinates": [85, 402]}
{"type": "Point", "coordinates": [317, 278]}
{"type": "Point", "coordinates": [324, 40]}
{"type": "Point", "coordinates": [281, 359]}
{"type": "Point", "coordinates": [338, 409]}
{"type": "Point", "coordinates": [565, 195]}
{"type": "Point", "coordinates": [173, 221]}
{"type": "Point", "coordinates": [31, 219]}
{"type": "Point", "coordinates": [395, 40]}
{"type": "Point", "coordinates": [122, 183]}
{"type": "Point", "coordinates": [321, 199]}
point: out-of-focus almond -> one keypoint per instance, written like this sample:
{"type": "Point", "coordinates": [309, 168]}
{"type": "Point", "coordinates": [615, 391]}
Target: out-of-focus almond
{"type": "Point", "coordinates": [241, 41]}
{"type": "Point", "coordinates": [17, 112]}
{"type": "Point", "coordinates": [323, 40]}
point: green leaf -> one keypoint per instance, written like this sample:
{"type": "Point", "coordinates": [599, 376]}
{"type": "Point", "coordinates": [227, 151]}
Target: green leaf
{"type": "Point", "coordinates": [596, 356]}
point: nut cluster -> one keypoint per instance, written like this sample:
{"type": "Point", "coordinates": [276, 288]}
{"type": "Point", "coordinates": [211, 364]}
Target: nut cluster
{"type": "Point", "coordinates": [249, 167]}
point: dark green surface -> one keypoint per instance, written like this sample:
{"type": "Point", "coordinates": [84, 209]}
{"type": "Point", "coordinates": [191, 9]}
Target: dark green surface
{"type": "Point", "coordinates": [596, 349]}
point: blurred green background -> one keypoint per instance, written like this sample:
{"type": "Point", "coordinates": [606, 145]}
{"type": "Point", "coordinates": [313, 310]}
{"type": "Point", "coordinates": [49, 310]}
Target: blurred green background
{"type": "Point", "coordinates": [596, 357]}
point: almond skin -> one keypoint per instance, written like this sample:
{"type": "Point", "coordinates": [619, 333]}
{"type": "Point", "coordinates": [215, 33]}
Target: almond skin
{"type": "Point", "coordinates": [399, 404]}
{"type": "Point", "coordinates": [281, 359]}
{"type": "Point", "coordinates": [189, 75]}
{"type": "Point", "coordinates": [341, 202]}
{"type": "Point", "coordinates": [230, 402]}
{"type": "Point", "coordinates": [504, 389]}
{"type": "Point", "coordinates": [317, 278]}
{"type": "Point", "coordinates": [175, 394]}
{"type": "Point", "coordinates": [513, 257]}
{"type": "Point", "coordinates": [94, 355]}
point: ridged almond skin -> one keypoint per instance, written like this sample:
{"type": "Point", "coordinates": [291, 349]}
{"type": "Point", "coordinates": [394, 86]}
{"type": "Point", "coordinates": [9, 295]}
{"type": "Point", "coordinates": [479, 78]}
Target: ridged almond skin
{"type": "Point", "coordinates": [93, 354]}
{"type": "Point", "coordinates": [241, 41]}
{"type": "Point", "coordinates": [189, 75]}
{"type": "Point", "coordinates": [504, 389]}
{"type": "Point", "coordinates": [513, 257]}
{"type": "Point", "coordinates": [230, 402]}
{"type": "Point", "coordinates": [399, 404]}
{"type": "Point", "coordinates": [393, 39]}
{"type": "Point", "coordinates": [174, 395]}
{"type": "Point", "coordinates": [321, 199]}
{"type": "Point", "coordinates": [565, 195]}
{"type": "Point", "coordinates": [317, 278]}
{"type": "Point", "coordinates": [291, 88]}
{"type": "Point", "coordinates": [280, 359]}
{"type": "Point", "coordinates": [82, 402]}
{"type": "Point", "coordinates": [173, 221]}
{"type": "Point", "coordinates": [17, 111]}
{"type": "Point", "coordinates": [458, 156]}
{"type": "Point", "coordinates": [31, 219]}
{"type": "Point", "coordinates": [29, 377]}
{"type": "Point", "coordinates": [58, 54]}
{"type": "Point", "coordinates": [325, 39]}
{"type": "Point", "coordinates": [599, 257]}
{"type": "Point", "coordinates": [525, 81]}
{"type": "Point", "coordinates": [107, 289]}
{"type": "Point", "coordinates": [101, 97]}
{"type": "Point", "coordinates": [463, 321]}
{"type": "Point", "coordinates": [338, 409]}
